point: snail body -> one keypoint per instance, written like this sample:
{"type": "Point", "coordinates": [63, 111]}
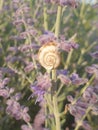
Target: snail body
{"type": "Point", "coordinates": [49, 56]}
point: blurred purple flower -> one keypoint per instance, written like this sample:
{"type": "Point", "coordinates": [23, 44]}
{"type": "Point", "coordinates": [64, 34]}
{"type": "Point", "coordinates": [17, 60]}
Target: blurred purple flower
{"type": "Point", "coordinates": [90, 70]}
{"type": "Point", "coordinates": [29, 67]}
{"type": "Point", "coordinates": [68, 45]}
{"type": "Point", "coordinates": [25, 48]}
{"type": "Point", "coordinates": [74, 76]}
{"type": "Point", "coordinates": [25, 127]}
{"type": "Point", "coordinates": [64, 79]}
{"type": "Point", "coordinates": [13, 49]}
{"type": "Point", "coordinates": [47, 37]}
{"type": "Point", "coordinates": [76, 80]}
{"type": "Point", "coordinates": [86, 126]}
{"type": "Point", "coordinates": [94, 54]}
{"type": "Point", "coordinates": [4, 93]}
{"type": "Point", "coordinates": [40, 87]}
{"type": "Point", "coordinates": [63, 72]}
{"type": "Point", "coordinates": [6, 70]}
{"type": "Point", "coordinates": [79, 81]}
{"type": "Point", "coordinates": [70, 98]}
{"type": "Point", "coordinates": [18, 22]}
{"type": "Point", "coordinates": [78, 107]}
{"type": "Point", "coordinates": [4, 90]}
{"type": "Point", "coordinates": [93, 70]}
{"type": "Point", "coordinates": [17, 111]}
{"type": "Point", "coordinates": [72, 3]}
{"type": "Point", "coordinates": [90, 95]}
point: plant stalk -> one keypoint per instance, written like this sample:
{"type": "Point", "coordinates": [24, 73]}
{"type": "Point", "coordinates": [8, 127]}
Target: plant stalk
{"type": "Point", "coordinates": [1, 4]}
{"type": "Point", "coordinates": [56, 113]}
{"type": "Point", "coordinates": [45, 18]}
{"type": "Point", "coordinates": [58, 21]}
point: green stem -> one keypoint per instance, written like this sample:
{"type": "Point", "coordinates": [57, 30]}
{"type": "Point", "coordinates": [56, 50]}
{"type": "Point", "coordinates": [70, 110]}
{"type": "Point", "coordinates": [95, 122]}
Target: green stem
{"type": "Point", "coordinates": [55, 102]}
{"type": "Point", "coordinates": [54, 74]}
{"type": "Point", "coordinates": [68, 59]}
{"type": "Point", "coordinates": [45, 18]}
{"type": "Point", "coordinates": [58, 21]}
{"type": "Point", "coordinates": [1, 4]}
{"type": "Point", "coordinates": [56, 113]}
{"type": "Point", "coordinates": [82, 9]}
{"type": "Point", "coordinates": [70, 53]}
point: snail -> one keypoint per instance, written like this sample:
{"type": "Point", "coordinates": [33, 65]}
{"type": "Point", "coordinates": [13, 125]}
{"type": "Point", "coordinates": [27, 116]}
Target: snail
{"type": "Point", "coordinates": [48, 56]}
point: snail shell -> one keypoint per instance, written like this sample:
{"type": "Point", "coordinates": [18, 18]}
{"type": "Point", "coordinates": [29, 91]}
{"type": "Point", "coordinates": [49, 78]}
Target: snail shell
{"type": "Point", "coordinates": [49, 56]}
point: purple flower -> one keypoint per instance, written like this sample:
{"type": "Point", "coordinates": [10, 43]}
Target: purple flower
{"type": "Point", "coordinates": [13, 49]}
{"type": "Point", "coordinates": [25, 127]}
{"type": "Point", "coordinates": [90, 70]}
{"type": "Point", "coordinates": [17, 111]}
{"type": "Point", "coordinates": [29, 67]}
{"type": "Point", "coordinates": [4, 90]}
{"type": "Point", "coordinates": [44, 81]}
{"type": "Point", "coordinates": [40, 87]}
{"type": "Point", "coordinates": [64, 79]}
{"type": "Point", "coordinates": [67, 45]}
{"type": "Point", "coordinates": [78, 108]}
{"type": "Point", "coordinates": [71, 3]}
{"type": "Point", "coordinates": [4, 93]}
{"type": "Point", "coordinates": [47, 37]}
{"type": "Point", "coordinates": [74, 76]}
{"type": "Point", "coordinates": [79, 81]}
{"type": "Point", "coordinates": [63, 72]}
{"type": "Point", "coordinates": [76, 80]}
{"type": "Point", "coordinates": [18, 22]}
{"type": "Point", "coordinates": [74, 45]}
{"type": "Point", "coordinates": [27, 47]}
{"type": "Point", "coordinates": [90, 95]}
{"type": "Point", "coordinates": [70, 98]}
{"type": "Point", "coordinates": [94, 55]}
{"type": "Point", "coordinates": [24, 114]}
{"type": "Point", "coordinates": [93, 70]}
{"type": "Point", "coordinates": [13, 109]}
{"type": "Point", "coordinates": [86, 126]}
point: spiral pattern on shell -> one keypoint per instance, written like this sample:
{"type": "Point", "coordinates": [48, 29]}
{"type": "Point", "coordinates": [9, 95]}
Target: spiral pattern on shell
{"type": "Point", "coordinates": [49, 56]}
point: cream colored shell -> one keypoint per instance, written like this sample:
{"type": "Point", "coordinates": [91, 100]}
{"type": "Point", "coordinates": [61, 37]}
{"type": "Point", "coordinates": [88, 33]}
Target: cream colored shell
{"type": "Point", "coordinates": [49, 56]}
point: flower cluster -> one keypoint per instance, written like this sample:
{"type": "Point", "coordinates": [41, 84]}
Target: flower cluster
{"type": "Point", "coordinates": [93, 70]}
{"type": "Point", "coordinates": [13, 107]}
{"type": "Point", "coordinates": [16, 110]}
{"type": "Point", "coordinates": [4, 90]}
{"type": "Point", "coordinates": [84, 105]}
{"type": "Point", "coordinates": [26, 127]}
{"type": "Point", "coordinates": [72, 3]}
{"type": "Point", "coordinates": [41, 86]}
{"type": "Point", "coordinates": [73, 79]}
